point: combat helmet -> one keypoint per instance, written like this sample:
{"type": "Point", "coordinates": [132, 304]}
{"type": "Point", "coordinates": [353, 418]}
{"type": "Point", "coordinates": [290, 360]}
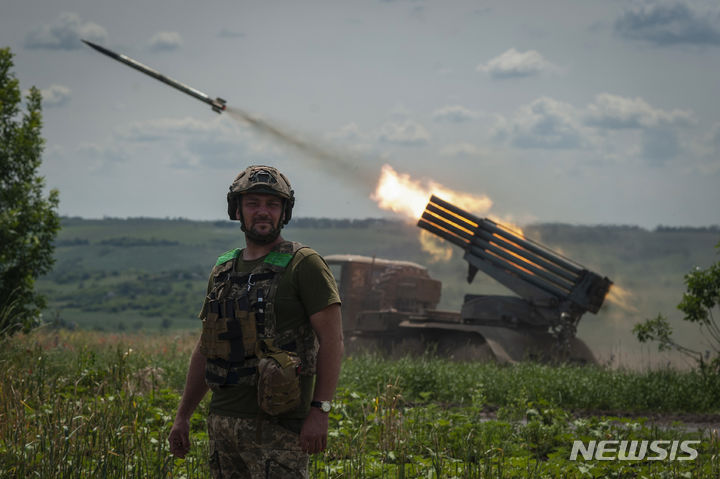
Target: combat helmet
{"type": "Point", "coordinates": [261, 179]}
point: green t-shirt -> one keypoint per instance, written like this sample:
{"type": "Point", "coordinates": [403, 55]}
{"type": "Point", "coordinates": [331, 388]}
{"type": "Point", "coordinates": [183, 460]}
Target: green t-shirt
{"type": "Point", "coordinates": [307, 286]}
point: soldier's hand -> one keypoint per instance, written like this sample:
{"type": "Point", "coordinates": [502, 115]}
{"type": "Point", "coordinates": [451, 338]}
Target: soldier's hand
{"type": "Point", "coordinates": [179, 438]}
{"type": "Point", "coordinates": [313, 435]}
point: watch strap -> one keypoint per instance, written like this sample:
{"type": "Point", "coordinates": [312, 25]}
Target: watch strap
{"type": "Point", "coordinates": [324, 406]}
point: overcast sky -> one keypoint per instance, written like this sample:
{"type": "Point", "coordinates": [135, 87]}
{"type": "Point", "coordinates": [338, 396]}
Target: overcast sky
{"type": "Point", "coordinates": [582, 112]}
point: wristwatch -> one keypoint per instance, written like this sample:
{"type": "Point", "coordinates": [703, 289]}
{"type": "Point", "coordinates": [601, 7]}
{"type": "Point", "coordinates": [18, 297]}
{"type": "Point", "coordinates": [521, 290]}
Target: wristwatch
{"type": "Point", "coordinates": [325, 406]}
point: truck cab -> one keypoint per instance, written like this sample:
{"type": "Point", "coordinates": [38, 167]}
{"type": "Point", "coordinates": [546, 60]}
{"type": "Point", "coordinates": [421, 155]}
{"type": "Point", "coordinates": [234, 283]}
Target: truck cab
{"type": "Point", "coordinates": [369, 284]}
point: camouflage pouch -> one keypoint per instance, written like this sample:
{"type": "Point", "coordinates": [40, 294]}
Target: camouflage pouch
{"type": "Point", "coordinates": [210, 345]}
{"type": "Point", "coordinates": [278, 382]}
{"type": "Point", "coordinates": [249, 330]}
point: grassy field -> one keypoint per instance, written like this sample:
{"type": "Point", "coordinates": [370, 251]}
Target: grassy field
{"type": "Point", "coordinates": [150, 274]}
{"type": "Point", "coordinates": [99, 401]}
{"type": "Point", "coordinates": [94, 404]}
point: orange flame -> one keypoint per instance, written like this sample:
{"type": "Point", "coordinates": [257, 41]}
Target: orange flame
{"type": "Point", "coordinates": [399, 193]}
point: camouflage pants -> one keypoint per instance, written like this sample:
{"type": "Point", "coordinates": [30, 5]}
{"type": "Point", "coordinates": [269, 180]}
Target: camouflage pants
{"type": "Point", "coordinates": [238, 451]}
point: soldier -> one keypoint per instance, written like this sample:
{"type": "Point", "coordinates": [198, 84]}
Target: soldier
{"type": "Point", "coordinates": [271, 343]}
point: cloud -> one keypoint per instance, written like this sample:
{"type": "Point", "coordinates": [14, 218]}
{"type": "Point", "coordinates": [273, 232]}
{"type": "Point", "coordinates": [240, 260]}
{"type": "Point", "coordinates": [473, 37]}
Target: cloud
{"type": "Point", "coordinates": [616, 112]}
{"type": "Point", "coordinates": [460, 150]}
{"type": "Point", "coordinates": [545, 123]}
{"type": "Point", "coordinates": [165, 41]}
{"type": "Point", "coordinates": [515, 64]}
{"type": "Point", "coordinates": [55, 95]}
{"type": "Point", "coordinates": [671, 23]}
{"type": "Point", "coordinates": [454, 114]}
{"type": "Point", "coordinates": [96, 153]}
{"type": "Point", "coordinates": [217, 152]}
{"type": "Point", "coordinates": [64, 33]}
{"type": "Point", "coordinates": [194, 143]}
{"type": "Point", "coordinates": [409, 133]}
{"type": "Point", "coordinates": [660, 129]}
{"type": "Point", "coordinates": [614, 127]}
{"type": "Point", "coordinates": [165, 128]}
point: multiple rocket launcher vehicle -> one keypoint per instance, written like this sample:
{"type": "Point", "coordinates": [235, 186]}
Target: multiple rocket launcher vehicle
{"type": "Point", "coordinates": [390, 305]}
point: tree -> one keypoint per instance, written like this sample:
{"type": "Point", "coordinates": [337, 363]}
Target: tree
{"type": "Point", "coordinates": [701, 298]}
{"type": "Point", "coordinates": [28, 220]}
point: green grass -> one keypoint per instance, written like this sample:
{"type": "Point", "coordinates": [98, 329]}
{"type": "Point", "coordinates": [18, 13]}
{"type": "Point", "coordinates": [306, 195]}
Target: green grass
{"type": "Point", "coordinates": [574, 388]}
{"type": "Point", "coordinates": [88, 404]}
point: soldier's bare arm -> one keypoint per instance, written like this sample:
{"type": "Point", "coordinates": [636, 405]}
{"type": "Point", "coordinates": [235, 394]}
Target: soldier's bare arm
{"type": "Point", "coordinates": [327, 325]}
{"type": "Point", "coordinates": [195, 389]}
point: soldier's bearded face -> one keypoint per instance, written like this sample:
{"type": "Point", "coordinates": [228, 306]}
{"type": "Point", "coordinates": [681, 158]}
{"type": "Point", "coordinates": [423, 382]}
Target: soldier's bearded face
{"type": "Point", "coordinates": [261, 215]}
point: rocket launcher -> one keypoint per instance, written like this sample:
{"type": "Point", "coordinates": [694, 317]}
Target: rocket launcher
{"type": "Point", "coordinates": [537, 274]}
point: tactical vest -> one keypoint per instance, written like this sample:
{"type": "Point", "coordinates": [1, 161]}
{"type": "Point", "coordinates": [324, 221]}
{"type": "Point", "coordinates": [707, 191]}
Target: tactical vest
{"type": "Point", "coordinates": [239, 319]}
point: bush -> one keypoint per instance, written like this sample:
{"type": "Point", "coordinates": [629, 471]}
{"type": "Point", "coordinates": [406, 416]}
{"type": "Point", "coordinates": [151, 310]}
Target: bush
{"type": "Point", "coordinates": [701, 298]}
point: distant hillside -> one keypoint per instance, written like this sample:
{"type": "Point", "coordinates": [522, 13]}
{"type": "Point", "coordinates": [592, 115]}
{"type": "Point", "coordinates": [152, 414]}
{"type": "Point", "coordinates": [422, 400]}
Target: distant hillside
{"type": "Point", "coordinates": [144, 273]}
